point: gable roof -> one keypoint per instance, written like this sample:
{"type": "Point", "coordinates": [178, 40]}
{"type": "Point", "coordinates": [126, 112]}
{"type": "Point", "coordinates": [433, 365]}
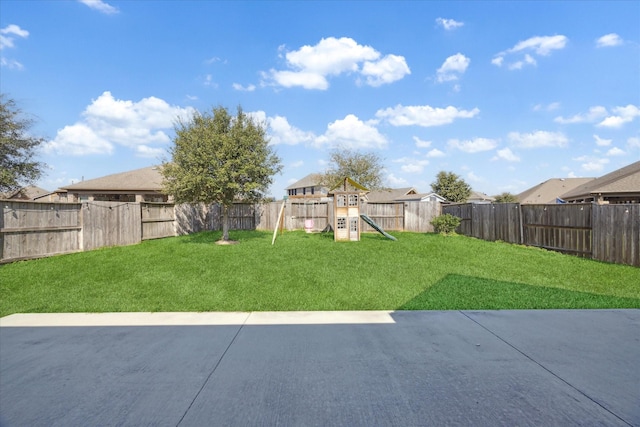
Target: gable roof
{"type": "Point", "coordinates": [477, 196]}
{"type": "Point", "coordinates": [389, 194]}
{"type": "Point", "coordinates": [311, 180]}
{"type": "Point", "coordinates": [345, 183]}
{"type": "Point", "coordinates": [548, 191]}
{"type": "Point", "coordinates": [621, 181]}
{"type": "Point", "coordinates": [30, 192]}
{"type": "Point", "coordinates": [145, 179]}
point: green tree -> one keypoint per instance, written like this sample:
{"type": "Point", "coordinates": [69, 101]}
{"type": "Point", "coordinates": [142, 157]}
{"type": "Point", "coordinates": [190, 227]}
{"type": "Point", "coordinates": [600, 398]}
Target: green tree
{"type": "Point", "coordinates": [17, 148]}
{"type": "Point", "coordinates": [451, 187]}
{"type": "Point", "coordinates": [220, 158]}
{"type": "Point", "coordinates": [506, 197]}
{"type": "Point", "coordinates": [364, 168]}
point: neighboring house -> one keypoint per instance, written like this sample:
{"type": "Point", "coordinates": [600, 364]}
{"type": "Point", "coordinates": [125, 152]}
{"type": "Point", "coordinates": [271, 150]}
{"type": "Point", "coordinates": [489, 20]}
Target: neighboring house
{"type": "Point", "coordinates": [30, 192]}
{"type": "Point", "coordinates": [308, 187]}
{"type": "Point", "coordinates": [477, 197]}
{"type": "Point", "coordinates": [550, 191]}
{"type": "Point", "coordinates": [408, 194]}
{"type": "Point", "coordinates": [140, 185]}
{"type": "Point", "coordinates": [619, 186]}
{"type": "Point", "coordinates": [389, 195]}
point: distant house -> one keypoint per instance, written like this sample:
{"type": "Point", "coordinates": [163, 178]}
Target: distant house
{"type": "Point", "coordinates": [619, 186]}
{"type": "Point", "coordinates": [550, 191]}
{"type": "Point", "coordinates": [478, 197]}
{"type": "Point", "coordinates": [308, 187]}
{"type": "Point", "coordinates": [140, 185]}
{"type": "Point", "coordinates": [30, 192]}
{"type": "Point", "coordinates": [407, 194]}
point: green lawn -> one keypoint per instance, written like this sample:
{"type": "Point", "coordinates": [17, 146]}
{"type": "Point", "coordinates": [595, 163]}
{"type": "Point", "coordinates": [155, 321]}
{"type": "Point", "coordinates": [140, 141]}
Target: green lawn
{"type": "Point", "coordinates": [312, 272]}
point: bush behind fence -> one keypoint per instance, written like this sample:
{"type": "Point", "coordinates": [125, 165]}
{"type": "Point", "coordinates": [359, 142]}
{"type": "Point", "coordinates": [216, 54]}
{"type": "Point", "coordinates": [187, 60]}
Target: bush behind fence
{"type": "Point", "coordinates": [31, 230]}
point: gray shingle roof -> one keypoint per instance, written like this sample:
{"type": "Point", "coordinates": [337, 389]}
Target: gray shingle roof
{"type": "Point", "coordinates": [548, 191]}
{"type": "Point", "coordinates": [623, 180]}
{"type": "Point", "coordinates": [389, 195]}
{"type": "Point", "coordinates": [311, 180]}
{"type": "Point", "coordinates": [145, 179]}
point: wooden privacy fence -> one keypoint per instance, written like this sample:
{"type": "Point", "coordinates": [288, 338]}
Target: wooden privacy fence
{"type": "Point", "coordinates": [603, 232]}
{"type": "Point", "coordinates": [32, 230]}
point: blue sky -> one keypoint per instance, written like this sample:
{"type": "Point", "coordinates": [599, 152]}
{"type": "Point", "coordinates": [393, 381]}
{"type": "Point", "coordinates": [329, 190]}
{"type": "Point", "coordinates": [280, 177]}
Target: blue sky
{"type": "Point", "coordinates": [504, 94]}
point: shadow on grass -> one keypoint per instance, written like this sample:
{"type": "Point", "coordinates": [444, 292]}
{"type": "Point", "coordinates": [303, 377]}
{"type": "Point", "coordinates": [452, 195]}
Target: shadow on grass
{"type": "Point", "coordinates": [457, 292]}
{"type": "Point", "coordinates": [213, 236]}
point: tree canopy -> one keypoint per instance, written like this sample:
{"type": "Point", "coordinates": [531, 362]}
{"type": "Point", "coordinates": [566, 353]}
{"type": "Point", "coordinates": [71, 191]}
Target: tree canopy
{"type": "Point", "coordinates": [364, 168]}
{"type": "Point", "coordinates": [506, 197]}
{"type": "Point", "coordinates": [220, 158]}
{"type": "Point", "coordinates": [17, 148]}
{"type": "Point", "coordinates": [451, 187]}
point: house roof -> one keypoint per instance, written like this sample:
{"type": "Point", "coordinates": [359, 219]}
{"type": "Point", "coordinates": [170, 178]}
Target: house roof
{"type": "Point", "coordinates": [345, 182]}
{"type": "Point", "coordinates": [478, 196]}
{"type": "Point", "coordinates": [29, 192]}
{"type": "Point", "coordinates": [621, 181]}
{"type": "Point", "coordinates": [419, 197]}
{"type": "Point", "coordinates": [548, 191]}
{"type": "Point", "coordinates": [145, 179]}
{"type": "Point", "coordinates": [389, 194]}
{"type": "Point", "coordinates": [311, 180]}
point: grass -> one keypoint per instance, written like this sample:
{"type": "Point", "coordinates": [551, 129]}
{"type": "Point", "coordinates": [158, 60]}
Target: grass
{"type": "Point", "coordinates": [312, 272]}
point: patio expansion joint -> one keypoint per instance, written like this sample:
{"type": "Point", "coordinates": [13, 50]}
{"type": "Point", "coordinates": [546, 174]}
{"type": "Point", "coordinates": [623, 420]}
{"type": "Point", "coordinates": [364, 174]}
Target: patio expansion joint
{"type": "Point", "coordinates": [555, 375]}
{"type": "Point", "coordinates": [206, 381]}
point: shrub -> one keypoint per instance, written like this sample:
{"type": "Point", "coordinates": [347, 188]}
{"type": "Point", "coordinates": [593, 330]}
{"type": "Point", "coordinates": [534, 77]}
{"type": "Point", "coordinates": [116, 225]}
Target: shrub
{"type": "Point", "coordinates": [445, 224]}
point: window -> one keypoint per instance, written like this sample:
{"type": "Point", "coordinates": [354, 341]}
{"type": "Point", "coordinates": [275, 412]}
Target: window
{"type": "Point", "coordinates": [353, 200]}
{"type": "Point", "coordinates": [341, 223]}
{"type": "Point", "coordinates": [341, 200]}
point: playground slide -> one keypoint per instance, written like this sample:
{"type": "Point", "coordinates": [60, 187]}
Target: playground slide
{"type": "Point", "coordinates": [369, 221]}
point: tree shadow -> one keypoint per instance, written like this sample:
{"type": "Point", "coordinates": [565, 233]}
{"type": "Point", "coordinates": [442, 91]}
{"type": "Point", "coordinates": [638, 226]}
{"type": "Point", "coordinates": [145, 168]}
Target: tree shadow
{"type": "Point", "coordinates": [459, 292]}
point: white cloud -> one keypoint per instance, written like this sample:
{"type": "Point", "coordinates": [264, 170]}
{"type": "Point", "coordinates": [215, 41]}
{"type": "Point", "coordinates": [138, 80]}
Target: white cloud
{"type": "Point", "coordinates": [453, 67]}
{"type": "Point", "coordinates": [7, 33]}
{"type": "Point", "coordinates": [100, 6]}
{"type": "Point", "coordinates": [412, 165]}
{"type": "Point", "coordinates": [539, 45]}
{"type": "Point", "coordinates": [423, 115]}
{"type": "Point", "coordinates": [11, 64]}
{"type": "Point", "coordinates": [435, 153]}
{"type": "Point", "coordinates": [78, 140]}
{"type": "Point", "coordinates": [281, 132]}
{"type": "Point", "coordinates": [633, 142]}
{"type": "Point", "coordinates": [7, 37]}
{"type": "Point", "coordinates": [615, 151]}
{"type": "Point", "coordinates": [394, 181]}
{"type": "Point", "coordinates": [248, 88]}
{"type": "Point", "coordinates": [550, 107]}
{"type": "Point", "coordinates": [601, 142]}
{"type": "Point", "coordinates": [297, 164]}
{"type": "Point", "coordinates": [310, 66]}
{"type": "Point", "coordinates": [528, 60]}
{"type": "Point", "coordinates": [624, 115]}
{"type": "Point", "coordinates": [592, 164]}
{"type": "Point", "coordinates": [474, 145]}
{"type": "Point", "coordinates": [420, 143]}
{"type": "Point", "coordinates": [538, 139]}
{"type": "Point", "coordinates": [386, 70]}
{"type": "Point", "coordinates": [594, 114]}
{"type": "Point", "coordinates": [609, 40]}
{"type": "Point", "coordinates": [108, 122]}
{"type": "Point", "coordinates": [150, 152]}
{"type": "Point", "coordinates": [506, 154]}
{"type": "Point", "coordinates": [352, 133]}
{"type": "Point", "coordinates": [449, 24]}
{"type": "Point", "coordinates": [473, 177]}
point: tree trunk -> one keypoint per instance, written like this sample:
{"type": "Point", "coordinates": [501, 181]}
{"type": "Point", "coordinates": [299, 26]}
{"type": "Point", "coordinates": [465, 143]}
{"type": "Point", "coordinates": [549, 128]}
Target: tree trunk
{"type": "Point", "coordinates": [225, 223]}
